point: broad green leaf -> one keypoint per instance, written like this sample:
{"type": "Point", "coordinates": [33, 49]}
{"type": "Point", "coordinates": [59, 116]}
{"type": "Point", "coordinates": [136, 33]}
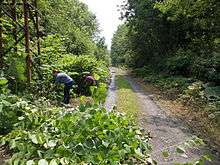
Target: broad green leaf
{"type": "Point", "coordinates": [180, 150]}
{"type": "Point", "coordinates": [16, 161]}
{"type": "Point", "coordinates": [43, 162]}
{"type": "Point", "coordinates": [96, 76]}
{"type": "Point", "coordinates": [30, 162]}
{"type": "Point", "coordinates": [33, 139]}
{"type": "Point", "coordinates": [64, 161]}
{"type": "Point", "coordinates": [53, 162]}
{"type": "Point", "coordinates": [51, 143]}
{"type": "Point", "coordinates": [13, 144]}
{"type": "Point", "coordinates": [3, 81]}
{"type": "Point", "coordinates": [105, 143]}
{"type": "Point", "coordinates": [138, 132]}
{"type": "Point", "coordinates": [40, 138]}
{"type": "Point", "coordinates": [138, 152]}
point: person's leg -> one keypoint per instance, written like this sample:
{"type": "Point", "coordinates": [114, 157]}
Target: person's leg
{"type": "Point", "coordinates": [66, 95]}
{"type": "Point", "coordinates": [67, 89]}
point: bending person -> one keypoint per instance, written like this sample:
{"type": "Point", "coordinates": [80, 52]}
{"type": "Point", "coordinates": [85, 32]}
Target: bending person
{"type": "Point", "coordinates": [67, 81]}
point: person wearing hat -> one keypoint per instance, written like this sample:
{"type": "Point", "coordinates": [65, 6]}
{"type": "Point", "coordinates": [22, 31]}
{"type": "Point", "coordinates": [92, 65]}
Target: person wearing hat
{"type": "Point", "coordinates": [67, 81]}
{"type": "Point", "coordinates": [88, 81]}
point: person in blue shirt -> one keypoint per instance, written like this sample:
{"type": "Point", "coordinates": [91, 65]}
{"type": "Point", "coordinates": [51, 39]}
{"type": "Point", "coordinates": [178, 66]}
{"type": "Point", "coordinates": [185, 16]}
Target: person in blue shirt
{"type": "Point", "coordinates": [67, 81]}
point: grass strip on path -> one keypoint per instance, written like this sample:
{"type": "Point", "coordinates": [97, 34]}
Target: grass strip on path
{"type": "Point", "coordinates": [127, 100]}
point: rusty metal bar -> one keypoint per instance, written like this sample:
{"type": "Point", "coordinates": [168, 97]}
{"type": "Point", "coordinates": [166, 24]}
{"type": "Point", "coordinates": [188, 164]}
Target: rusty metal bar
{"type": "Point", "coordinates": [27, 41]}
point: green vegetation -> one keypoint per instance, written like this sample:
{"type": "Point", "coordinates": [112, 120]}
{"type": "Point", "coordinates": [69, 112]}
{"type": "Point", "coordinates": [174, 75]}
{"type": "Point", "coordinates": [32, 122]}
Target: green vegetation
{"type": "Point", "coordinates": [87, 134]}
{"type": "Point", "coordinates": [175, 46]}
{"type": "Point", "coordinates": [172, 36]}
{"type": "Point", "coordinates": [64, 32]}
{"type": "Point", "coordinates": [126, 98]}
{"type": "Point", "coordinates": [77, 28]}
{"type": "Point", "coordinates": [34, 128]}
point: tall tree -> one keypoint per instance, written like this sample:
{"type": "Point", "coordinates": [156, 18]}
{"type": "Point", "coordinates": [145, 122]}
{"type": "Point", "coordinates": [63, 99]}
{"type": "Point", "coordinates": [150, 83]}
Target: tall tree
{"type": "Point", "coordinates": [72, 20]}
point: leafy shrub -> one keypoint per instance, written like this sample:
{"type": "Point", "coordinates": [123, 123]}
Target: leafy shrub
{"type": "Point", "coordinates": [212, 92]}
{"type": "Point", "coordinates": [3, 85]}
{"type": "Point", "coordinates": [163, 81]}
{"type": "Point", "coordinates": [142, 72]}
{"type": "Point", "coordinates": [73, 66]}
{"type": "Point", "coordinates": [84, 135]}
{"type": "Point", "coordinates": [10, 109]}
{"type": "Point", "coordinates": [52, 50]}
{"type": "Point", "coordinates": [195, 90]}
{"type": "Point", "coordinates": [99, 93]}
{"type": "Point", "coordinates": [207, 70]}
{"type": "Point", "coordinates": [180, 63]}
{"type": "Point", "coordinates": [15, 70]}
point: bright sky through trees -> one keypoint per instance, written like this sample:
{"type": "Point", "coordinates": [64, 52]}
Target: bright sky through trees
{"type": "Point", "coordinates": [107, 15]}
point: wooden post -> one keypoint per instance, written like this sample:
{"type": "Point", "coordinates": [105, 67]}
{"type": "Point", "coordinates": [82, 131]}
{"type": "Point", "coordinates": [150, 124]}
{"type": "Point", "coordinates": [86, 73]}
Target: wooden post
{"type": "Point", "coordinates": [27, 40]}
{"type": "Point", "coordinates": [1, 37]}
{"type": "Point", "coordinates": [14, 15]}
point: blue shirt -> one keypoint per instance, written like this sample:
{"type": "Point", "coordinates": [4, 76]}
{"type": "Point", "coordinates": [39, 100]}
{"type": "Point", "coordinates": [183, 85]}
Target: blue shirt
{"type": "Point", "coordinates": [63, 78]}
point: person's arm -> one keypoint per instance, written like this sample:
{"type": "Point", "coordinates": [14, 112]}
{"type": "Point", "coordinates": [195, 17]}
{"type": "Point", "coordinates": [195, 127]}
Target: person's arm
{"type": "Point", "coordinates": [57, 79]}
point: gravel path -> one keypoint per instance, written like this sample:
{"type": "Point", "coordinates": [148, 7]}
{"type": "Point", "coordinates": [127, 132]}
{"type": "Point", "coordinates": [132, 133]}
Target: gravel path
{"type": "Point", "coordinates": [111, 96]}
{"type": "Point", "coordinates": [167, 132]}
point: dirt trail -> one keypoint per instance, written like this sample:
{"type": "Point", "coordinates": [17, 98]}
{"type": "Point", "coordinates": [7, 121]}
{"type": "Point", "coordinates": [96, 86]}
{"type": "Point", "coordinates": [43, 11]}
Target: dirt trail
{"type": "Point", "coordinates": [167, 132]}
{"type": "Point", "coordinates": [111, 96]}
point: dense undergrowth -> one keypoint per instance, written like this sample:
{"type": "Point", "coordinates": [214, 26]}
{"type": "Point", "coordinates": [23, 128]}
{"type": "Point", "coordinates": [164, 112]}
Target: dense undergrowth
{"type": "Point", "coordinates": [46, 134]}
{"type": "Point", "coordinates": [54, 57]}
